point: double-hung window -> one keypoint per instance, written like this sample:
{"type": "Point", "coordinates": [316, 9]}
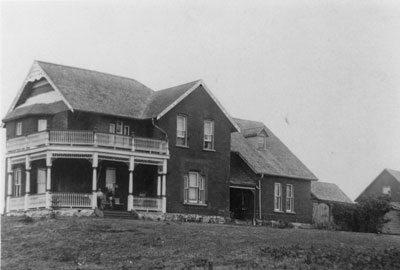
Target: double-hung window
{"type": "Point", "coordinates": [278, 197]}
{"type": "Point", "coordinates": [289, 198]}
{"type": "Point", "coordinates": [208, 134]}
{"type": "Point", "coordinates": [42, 124]}
{"type": "Point", "coordinates": [111, 128]}
{"type": "Point", "coordinates": [194, 188]}
{"type": "Point", "coordinates": [18, 129]}
{"type": "Point", "coordinates": [262, 142]}
{"type": "Point", "coordinates": [17, 182]}
{"type": "Point", "coordinates": [181, 130]}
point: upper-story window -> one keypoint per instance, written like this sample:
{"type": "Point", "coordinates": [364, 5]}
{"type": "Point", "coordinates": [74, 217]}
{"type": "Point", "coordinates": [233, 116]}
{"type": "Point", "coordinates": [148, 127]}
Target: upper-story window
{"type": "Point", "coordinates": [18, 129]}
{"type": "Point", "coordinates": [262, 142]}
{"type": "Point", "coordinates": [194, 188]}
{"type": "Point", "coordinates": [111, 128]}
{"type": "Point", "coordinates": [289, 198]}
{"type": "Point", "coordinates": [42, 124]}
{"type": "Point", "coordinates": [119, 127]}
{"type": "Point", "coordinates": [208, 134]}
{"type": "Point", "coordinates": [17, 182]}
{"type": "Point", "coordinates": [386, 190]}
{"type": "Point", "coordinates": [181, 130]}
{"type": "Point", "coordinates": [126, 130]}
{"type": "Point", "coordinates": [278, 197]}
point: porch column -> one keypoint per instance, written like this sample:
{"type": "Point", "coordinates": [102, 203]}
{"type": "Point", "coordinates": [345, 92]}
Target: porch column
{"type": "Point", "coordinates": [159, 185]}
{"type": "Point", "coordinates": [130, 195]}
{"type": "Point", "coordinates": [164, 187]}
{"type": "Point", "coordinates": [94, 180]}
{"type": "Point", "coordinates": [27, 181]}
{"type": "Point", "coordinates": [48, 181]}
{"type": "Point", "coordinates": [9, 184]}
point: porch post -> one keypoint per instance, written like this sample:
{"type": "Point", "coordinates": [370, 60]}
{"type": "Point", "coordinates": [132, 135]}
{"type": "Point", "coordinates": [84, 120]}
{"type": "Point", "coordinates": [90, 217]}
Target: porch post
{"type": "Point", "coordinates": [159, 185]}
{"type": "Point", "coordinates": [9, 184]}
{"type": "Point", "coordinates": [27, 180]}
{"type": "Point", "coordinates": [130, 195]}
{"type": "Point", "coordinates": [48, 181]}
{"type": "Point", "coordinates": [164, 187]}
{"type": "Point", "coordinates": [94, 181]}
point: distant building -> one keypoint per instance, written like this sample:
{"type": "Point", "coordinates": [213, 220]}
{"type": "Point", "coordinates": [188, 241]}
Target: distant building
{"type": "Point", "coordinates": [386, 183]}
{"type": "Point", "coordinates": [323, 197]}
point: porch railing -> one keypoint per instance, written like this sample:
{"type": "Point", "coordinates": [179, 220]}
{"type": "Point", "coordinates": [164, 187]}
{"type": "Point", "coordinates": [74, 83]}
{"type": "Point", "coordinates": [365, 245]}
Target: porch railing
{"type": "Point", "coordinates": [147, 204]}
{"type": "Point", "coordinates": [17, 203]}
{"type": "Point", "coordinates": [87, 138]}
{"type": "Point", "coordinates": [37, 200]}
{"type": "Point", "coordinates": [68, 199]}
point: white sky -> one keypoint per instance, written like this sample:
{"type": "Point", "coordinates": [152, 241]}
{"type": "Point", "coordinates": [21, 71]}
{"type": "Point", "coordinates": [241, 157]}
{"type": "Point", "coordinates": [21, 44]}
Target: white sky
{"type": "Point", "coordinates": [323, 75]}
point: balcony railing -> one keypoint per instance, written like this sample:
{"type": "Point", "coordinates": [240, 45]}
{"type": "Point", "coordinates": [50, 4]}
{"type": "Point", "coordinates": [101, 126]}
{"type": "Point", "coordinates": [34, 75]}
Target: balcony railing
{"type": "Point", "coordinates": [147, 204]}
{"type": "Point", "coordinates": [87, 138]}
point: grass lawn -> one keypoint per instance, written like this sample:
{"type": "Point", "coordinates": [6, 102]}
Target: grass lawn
{"type": "Point", "coordinates": [95, 243]}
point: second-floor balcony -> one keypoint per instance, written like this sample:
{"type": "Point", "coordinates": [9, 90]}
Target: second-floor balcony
{"type": "Point", "coordinates": [87, 138]}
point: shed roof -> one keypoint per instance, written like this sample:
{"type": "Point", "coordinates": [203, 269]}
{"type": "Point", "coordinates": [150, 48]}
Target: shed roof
{"type": "Point", "coordinates": [277, 159]}
{"type": "Point", "coordinates": [394, 173]}
{"type": "Point", "coordinates": [240, 177]}
{"type": "Point", "coordinates": [37, 109]}
{"type": "Point", "coordinates": [328, 192]}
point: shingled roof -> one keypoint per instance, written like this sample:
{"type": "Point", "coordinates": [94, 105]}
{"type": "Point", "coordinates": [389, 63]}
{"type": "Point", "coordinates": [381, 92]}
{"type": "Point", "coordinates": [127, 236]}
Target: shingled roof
{"type": "Point", "coordinates": [276, 160]}
{"type": "Point", "coordinates": [97, 92]}
{"type": "Point", "coordinates": [328, 192]}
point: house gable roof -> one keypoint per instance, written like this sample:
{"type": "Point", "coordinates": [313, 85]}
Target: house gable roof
{"type": "Point", "coordinates": [328, 192]}
{"type": "Point", "coordinates": [276, 160]}
{"type": "Point", "coordinates": [395, 174]}
{"type": "Point", "coordinates": [97, 92]}
{"type": "Point", "coordinates": [182, 91]}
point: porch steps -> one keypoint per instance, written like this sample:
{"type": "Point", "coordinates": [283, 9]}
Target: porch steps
{"type": "Point", "coordinates": [119, 214]}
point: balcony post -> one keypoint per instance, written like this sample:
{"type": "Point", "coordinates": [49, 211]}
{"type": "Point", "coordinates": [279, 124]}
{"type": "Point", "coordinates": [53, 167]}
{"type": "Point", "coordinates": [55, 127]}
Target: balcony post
{"type": "Point", "coordinates": [130, 195]}
{"type": "Point", "coordinates": [27, 180]}
{"type": "Point", "coordinates": [133, 141]}
{"type": "Point", "coordinates": [9, 184]}
{"type": "Point", "coordinates": [94, 180]}
{"type": "Point", "coordinates": [95, 139]}
{"type": "Point", "coordinates": [47, 142]}
{"type": "Point", "coordinates": [48, 181]}
{"type": "Point", "coordinates": [164, 187]}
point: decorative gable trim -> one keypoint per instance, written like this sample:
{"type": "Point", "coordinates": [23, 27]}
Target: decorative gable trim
{"type": "Point", "coordinates": [188, 92]}
{"type": "Point", "coordinates": [36, 73]}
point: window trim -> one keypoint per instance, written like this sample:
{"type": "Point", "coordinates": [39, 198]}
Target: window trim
{"type": "Point", "coordinates": [289, 198]}
{"type": "Point", "coordinates": [278, 197]}
{"type": "Point", "coordinates": [111, 128]}
{"type": "Point", "coordinates": [119, 127]}
{"type": "Point", "coordinates": [41, 120]}
{"type": "Point", "coordinates": [264, 142]}
{"type": "Point", "coordinates": [211, 135]}
{"type": "Point", "coordinates": [18, 128]}
{"type": "Point", "coordinates": [184, 134]}
{"type": "Point", "coordinates": [127, 129]}
{"type": "Point", "coordinates": [199, 187]}
{"type": "Point", "coordinates": [17, 185]}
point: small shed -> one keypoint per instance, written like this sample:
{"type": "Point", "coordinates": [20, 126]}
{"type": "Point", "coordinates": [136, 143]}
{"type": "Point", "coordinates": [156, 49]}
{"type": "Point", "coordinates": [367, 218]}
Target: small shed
{"type": "Point", "coordinates": [324, 196]}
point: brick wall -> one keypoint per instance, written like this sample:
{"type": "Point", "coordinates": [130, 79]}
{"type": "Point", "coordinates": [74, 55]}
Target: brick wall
{"type": "Point", "coordinates": [198, 106]}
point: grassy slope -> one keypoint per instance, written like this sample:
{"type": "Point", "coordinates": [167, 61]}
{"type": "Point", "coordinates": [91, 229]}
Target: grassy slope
{"type": "Point", "coordinates": [85, 243]}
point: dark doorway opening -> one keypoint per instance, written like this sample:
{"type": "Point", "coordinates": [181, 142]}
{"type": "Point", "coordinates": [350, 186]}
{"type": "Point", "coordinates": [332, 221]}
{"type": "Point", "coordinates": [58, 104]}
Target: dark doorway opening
{"type": "Point", "coordinates": [242, 203]}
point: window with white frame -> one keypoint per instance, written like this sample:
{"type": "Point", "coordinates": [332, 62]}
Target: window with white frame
{"type": "Point", "coordinates": [119, 127]}
{"type": "Point", "coordinates": [181, 130]}
{"type": "Point", "coordinates": [18, 128]}
{"type": "Point", "coordinates": [111, 179]}
{"type": "Point", "coordinates": [278, 197]}
{"type": "Point", "coordinates": [42, 124]}
{"type": "Point", "coordinates": [126, 130]}
{"type": "Point", "coordinates": [17, 182]}
{"type": "Point", "coordinates": [111, 128]}
{"type": "Point", "coordinates": [194, 188]}
{"type": "Point", "coordinates": [209, 134]}
{"type": "Point", "coordinates": [386, 190]}
{"type": "Point", "coordinates": [289, 198]}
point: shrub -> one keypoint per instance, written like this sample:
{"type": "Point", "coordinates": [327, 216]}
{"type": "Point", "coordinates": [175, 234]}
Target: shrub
{"type": "Point", "coordinates": [366, 216]}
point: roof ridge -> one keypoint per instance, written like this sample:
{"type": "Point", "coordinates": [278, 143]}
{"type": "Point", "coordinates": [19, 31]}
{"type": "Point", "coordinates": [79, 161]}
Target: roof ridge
{"type": "Point", "coordinates": [195, 81]}
{"type": "Point", "coordinates": [94, 71]}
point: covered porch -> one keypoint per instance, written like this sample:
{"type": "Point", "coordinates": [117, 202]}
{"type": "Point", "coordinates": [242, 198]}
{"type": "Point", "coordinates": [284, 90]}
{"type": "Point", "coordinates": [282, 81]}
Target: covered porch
{"type": "Point", "coordinates": [85, 180]}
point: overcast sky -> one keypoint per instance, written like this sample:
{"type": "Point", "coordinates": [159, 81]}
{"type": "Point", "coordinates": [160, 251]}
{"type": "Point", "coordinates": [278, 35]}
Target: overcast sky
{"type": "Point", "coordinates": [324, 76]}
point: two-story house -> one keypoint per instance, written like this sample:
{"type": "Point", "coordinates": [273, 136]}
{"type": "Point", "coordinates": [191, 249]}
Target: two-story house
{"type": "Point", "coordinates": [73, 134]}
